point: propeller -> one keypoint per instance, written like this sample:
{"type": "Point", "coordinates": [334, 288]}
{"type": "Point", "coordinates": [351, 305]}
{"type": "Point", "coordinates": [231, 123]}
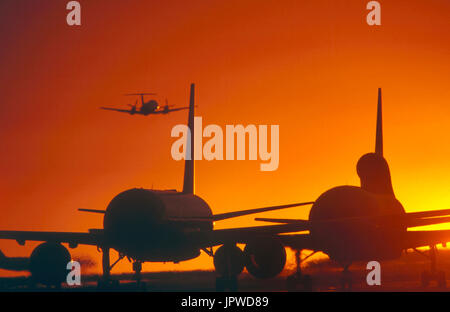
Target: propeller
{"type": "Point", "coordinates": [131, 94]}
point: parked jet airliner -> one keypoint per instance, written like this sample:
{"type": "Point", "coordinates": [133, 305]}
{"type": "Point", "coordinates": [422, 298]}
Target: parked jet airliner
{"type": "Point", "coordinates": [148, 225]}
{"type": "Point", "coordinates": [365, 223]}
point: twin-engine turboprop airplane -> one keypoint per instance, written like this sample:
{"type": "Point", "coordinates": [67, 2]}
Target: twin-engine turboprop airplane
{"type": "Point", "coordinates": [167, 226]}
{"type": "Point", "coordinates": [150, 107]}
{"type": "Point", "coordinates": [350, 223]}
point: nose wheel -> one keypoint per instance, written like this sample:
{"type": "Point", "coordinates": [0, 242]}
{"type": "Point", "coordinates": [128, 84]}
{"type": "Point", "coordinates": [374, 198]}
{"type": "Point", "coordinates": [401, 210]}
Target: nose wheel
{"type": "Point", "coordinates": [427, 277]}
{"type": "Point", "coordinates": [346, 279]}
{"type": "Point", "coordinates": [296, 279]}
{"type": "Point", "coordinates": [229, 263]}
{"type": "Point", "coordinates": [433, 274]}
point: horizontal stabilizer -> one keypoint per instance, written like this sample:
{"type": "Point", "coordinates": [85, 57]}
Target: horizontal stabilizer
{"type": "Point", "coordinates": [428, 221]}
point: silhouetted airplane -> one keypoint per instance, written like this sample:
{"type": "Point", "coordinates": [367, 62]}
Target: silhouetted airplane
{"type": "Point", "coordinates": [44, 268]}
{"type": "Point", "coordinates": [168, 226]}
{"type": "Point", "coordinates": [350, 223]}
{"type": "Point", "coordinates": [150, 107]}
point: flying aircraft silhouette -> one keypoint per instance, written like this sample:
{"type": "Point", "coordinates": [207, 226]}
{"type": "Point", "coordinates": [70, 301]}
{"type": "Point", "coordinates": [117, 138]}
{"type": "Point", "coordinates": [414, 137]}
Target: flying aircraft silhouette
{"type": "Point", "coordinates": [150, 107]}
{"type": "Point", "coordinates": [365, 223]}
{"type": "Point", "coordinates": [146, 225]}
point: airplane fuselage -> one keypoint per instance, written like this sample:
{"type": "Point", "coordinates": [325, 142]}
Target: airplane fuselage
{"type": "Point", "coordinates": [148, 107]}
{"type": "Point", "coordinates": [356, 234]}
{"type": "Point", "coordinates": [149, 225]}
{"type": "Point", "coordinates": [352, 238]}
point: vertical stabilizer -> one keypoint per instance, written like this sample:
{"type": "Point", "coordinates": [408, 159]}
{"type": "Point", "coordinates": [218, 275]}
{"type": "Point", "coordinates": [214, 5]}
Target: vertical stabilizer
{"type": "Point", "coordinates": [188, 183]}
{"type": "Point", "coordinates": [379, 135]}
{"type": "Point", "coordinates": [372, 168]}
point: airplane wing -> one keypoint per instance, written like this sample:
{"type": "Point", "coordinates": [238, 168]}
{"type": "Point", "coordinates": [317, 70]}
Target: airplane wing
{"type": "Point", "coordinates": [410, 220]}
{"type": "Point", "coordinates": [297, 241]}
{"type": "Point", "coordinates": [119, 110]}
{"type": "Point", "coordinates": [176, 109]}
{"type": "Point", "coordinates": [303, 241]}
{"type": "Point", "coordinates": [163, 111]}
{"type": "Point", "coordinates": [234, 214]}
{"type": "Point", "coordinates": [414, 239]}
{"type": "Point", "coordinates": [223, 216]}
{"type": "Point", "coordinates": [94, 237]}
{"type": "Point", "coordinates": [242, 235]}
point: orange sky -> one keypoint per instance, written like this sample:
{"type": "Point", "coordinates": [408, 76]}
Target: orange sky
{"type": "Point", "coordinates": [312, 67]}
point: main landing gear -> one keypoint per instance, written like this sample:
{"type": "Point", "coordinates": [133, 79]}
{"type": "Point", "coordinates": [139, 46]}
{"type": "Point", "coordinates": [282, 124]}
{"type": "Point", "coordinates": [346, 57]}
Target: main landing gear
{"type": "Point", "coordinates": [346, 278]}
{"type": "Point", "coordinates": [226, 283]}
{"type": "Point", "coordinates": [293, 280]}
{"type": "Point", "coordinates": [137, 268]}
{"type": "Point", "coordinates": [229, 263]}
{"type": "Point", "coordinates": [433, 274]}
{"type": "Point", "coordinates": [105, 281]}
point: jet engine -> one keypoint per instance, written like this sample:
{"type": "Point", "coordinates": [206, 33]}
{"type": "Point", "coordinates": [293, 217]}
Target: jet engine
{"type": "Point", "coordinates": [229, 260]}
{"type": "Point", "coordinates": [48, 264]}
{"type": "Point", "coordinates": [264, 258]}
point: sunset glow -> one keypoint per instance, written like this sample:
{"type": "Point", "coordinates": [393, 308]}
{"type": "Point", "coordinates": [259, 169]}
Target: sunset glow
{"type": "Point", "coordinates": [311, 67]}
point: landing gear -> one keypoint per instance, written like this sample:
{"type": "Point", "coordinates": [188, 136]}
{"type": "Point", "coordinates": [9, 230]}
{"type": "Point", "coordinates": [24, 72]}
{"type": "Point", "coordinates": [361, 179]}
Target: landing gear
{"type": "Point", "coordinates": [105, 281]}
{"type": "Point", "coordinates": [437, 275]}
{"type": "Point", "coordinates": [137, 268]}
{"type": "Point", "coordinates": [226, 283]}
{"type": "Point", "coordinates": [442, 282]}
{"type": "Point", "coordinates": [346, 279]}
{"type": "Point", "coordinates": [229, 263]}
{"type": "Point", "coordinates": [298, 278]}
